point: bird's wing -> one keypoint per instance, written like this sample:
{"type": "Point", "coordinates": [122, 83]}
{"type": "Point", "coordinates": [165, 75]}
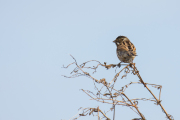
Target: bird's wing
{"type": "Point", "coordinates": [127, 46]}
{"type": "Point", "coordinates": [130, 45]}
{"type": "Point", "coordinates": [131, 53]}
{"type": "Point", "coordinates": [122, 48]}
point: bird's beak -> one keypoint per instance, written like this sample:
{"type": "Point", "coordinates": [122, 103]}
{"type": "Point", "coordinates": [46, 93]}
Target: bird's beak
{"type": "Point", "coordinates": [114, 41]}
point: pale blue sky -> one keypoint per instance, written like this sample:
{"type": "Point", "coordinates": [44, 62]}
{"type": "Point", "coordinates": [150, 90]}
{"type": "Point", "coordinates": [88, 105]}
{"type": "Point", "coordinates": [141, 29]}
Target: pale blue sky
{"type": "Point", "coordinates": [37, 36]}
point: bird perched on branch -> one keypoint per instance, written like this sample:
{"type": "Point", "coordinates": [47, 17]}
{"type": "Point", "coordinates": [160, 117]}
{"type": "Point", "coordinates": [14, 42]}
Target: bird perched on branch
{"type": "Point", "coordinates": [126, 51]}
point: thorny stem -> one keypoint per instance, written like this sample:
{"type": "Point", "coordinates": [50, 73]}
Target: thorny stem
{"type": "Point", "coordinates": [98, 113]}
{"type": "Point", "coordinates": [158, 101]}
{"type": "Point", "coordinates": [104, 115]}
{"type": "Point", "coordinates": [143, 118]}
{"type": "Point", "coordinates": [135, 72]}
{"type": "Point", "coordinates": [114, 112]}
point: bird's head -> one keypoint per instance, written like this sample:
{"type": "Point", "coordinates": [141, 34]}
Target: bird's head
{"type": "Point", "coordinates": [120, 39]}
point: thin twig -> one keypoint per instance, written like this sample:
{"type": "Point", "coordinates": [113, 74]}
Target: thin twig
{"type": "Point", "coordinates": [109, 95]}
{"type": "Point", "coordinates": [158, 101]}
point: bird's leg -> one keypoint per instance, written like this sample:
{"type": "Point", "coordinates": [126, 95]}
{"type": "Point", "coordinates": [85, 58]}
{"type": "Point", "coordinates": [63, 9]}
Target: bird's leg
{"type": "Point", "coordinates": [119, 64]}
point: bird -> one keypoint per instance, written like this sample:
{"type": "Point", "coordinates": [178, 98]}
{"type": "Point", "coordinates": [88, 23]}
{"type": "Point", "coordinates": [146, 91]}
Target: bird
{"type": "Point", "coordinates": [126, 51]}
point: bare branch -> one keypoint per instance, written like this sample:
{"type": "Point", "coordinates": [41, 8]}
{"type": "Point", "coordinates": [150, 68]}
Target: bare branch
{"type": "Point", "coordinates": [108, 94]}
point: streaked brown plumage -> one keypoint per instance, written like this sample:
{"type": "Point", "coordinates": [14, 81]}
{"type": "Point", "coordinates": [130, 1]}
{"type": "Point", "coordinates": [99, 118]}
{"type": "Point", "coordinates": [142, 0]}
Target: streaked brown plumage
{"type": "Point", "coordinates": [126, 51]}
